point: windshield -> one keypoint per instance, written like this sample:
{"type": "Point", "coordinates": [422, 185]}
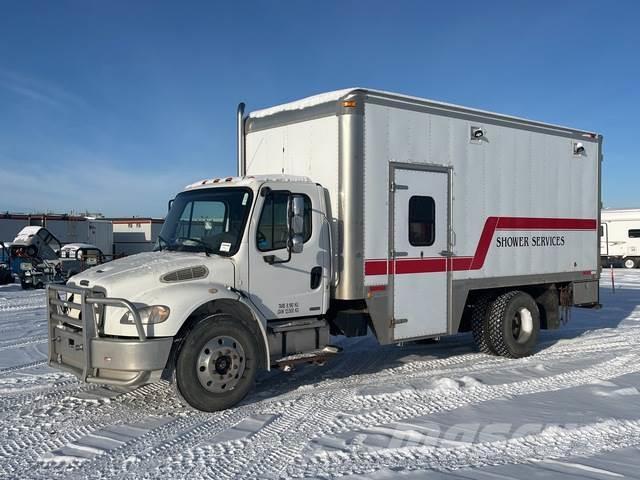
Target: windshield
{"type": "Point", "coordinates": [209, 220]}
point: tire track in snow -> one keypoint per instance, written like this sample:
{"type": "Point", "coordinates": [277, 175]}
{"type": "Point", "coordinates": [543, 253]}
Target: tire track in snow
{"type": "Point", "coordinates": [22, 303]}
{"type": "Point", "coordinates": [65, 418]}
{"type": "Point", "coordinates": [188, 432]}
{"type": "Point", "coordinates": [552, 443]}
{"type": "Point", "coordinates": [24, 366]}
{"type": "Point", "coordinates": [416, 403]}
{"type": "Point", "coordinates": [271, 451]}
{"type": "Point", "coordinates": [22, 342]}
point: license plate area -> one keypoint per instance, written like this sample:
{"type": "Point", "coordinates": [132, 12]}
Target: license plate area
{"type": "Point", "coordinates": [68, 348]}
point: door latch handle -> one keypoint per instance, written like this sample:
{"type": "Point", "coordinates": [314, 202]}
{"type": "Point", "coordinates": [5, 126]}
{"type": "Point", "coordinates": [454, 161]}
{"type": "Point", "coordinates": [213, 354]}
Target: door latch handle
{"type": "Point", "coordinates": [446, 253]}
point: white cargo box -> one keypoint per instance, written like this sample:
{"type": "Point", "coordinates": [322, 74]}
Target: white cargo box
{"type": "Point", "coordinates": [431, 201]}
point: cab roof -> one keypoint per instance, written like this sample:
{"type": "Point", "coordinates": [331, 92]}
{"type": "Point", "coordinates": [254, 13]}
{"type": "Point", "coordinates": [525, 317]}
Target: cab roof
{"type": "Point", "coordinates": [246, 181]}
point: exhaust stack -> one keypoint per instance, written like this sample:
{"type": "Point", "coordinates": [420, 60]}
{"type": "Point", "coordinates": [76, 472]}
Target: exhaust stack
{"type": "Point", "coordinates": [240, 126]}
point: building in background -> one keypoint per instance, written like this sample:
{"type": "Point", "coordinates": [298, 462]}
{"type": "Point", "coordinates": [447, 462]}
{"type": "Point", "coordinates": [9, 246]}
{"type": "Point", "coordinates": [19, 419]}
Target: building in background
{"type": "Point", "coordinates": [135, 235]}
{"type": "Point", "coordinates": [66, 228]}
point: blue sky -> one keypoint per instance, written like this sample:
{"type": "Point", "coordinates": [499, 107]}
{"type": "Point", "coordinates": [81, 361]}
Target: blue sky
{"type": "Point", "coordinates": [114, 106]}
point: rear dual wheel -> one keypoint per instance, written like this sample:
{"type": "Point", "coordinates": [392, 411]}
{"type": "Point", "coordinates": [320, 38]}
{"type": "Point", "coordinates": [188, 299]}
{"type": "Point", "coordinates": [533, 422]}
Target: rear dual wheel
{"type": "Point", "coordinates": [507, 326]}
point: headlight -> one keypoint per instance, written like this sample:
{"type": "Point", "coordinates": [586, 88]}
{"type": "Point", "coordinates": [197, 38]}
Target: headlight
{"type": "Point", "coordinates": [148, 315]}
{"type": "Point", "coordinates": [25, 266]}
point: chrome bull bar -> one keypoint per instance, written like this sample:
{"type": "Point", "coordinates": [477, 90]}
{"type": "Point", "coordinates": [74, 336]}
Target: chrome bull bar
{"type": "Point", "coordinates": [72, 337]}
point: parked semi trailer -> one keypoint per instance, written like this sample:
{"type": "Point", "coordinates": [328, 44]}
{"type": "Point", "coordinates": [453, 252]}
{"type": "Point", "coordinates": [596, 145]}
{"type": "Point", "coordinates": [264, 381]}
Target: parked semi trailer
{"type": "Point", "coordinates": [620, 237]}
{"type": "Point", "coordinates": [353, 211]}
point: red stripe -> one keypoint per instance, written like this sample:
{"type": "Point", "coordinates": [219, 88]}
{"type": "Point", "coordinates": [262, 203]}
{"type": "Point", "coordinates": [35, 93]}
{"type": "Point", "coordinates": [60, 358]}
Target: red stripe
{"type": "Point", "coordinates": [428, 265]}
{"type": "Point", "coordinates": [377, 288]}
{"type": "Point", "coordinates": [375, 267]}
{"type": "Point", "coordinates": [421, 265]}
{"type": "Point", "coordinates": [524, 223]}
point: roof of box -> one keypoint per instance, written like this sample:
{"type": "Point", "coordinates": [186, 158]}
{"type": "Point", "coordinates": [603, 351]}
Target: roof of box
{"type": "Point", "coordinates": [336, 95]}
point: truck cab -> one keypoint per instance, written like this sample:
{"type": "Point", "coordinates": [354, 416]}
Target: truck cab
{"type": "Point", "coordinates": [239, 264]}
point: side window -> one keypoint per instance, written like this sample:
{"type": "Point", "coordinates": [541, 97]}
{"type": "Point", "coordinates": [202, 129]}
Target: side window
{"type": "Point", "coordinates": [272, 231]}
{"type": "Point", "coordinates": [422, 221]}
{"type": "Point", "coordinates": [634, 233]}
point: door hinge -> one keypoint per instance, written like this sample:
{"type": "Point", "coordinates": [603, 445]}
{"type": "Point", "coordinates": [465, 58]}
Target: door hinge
{"type": "Point", "coordinates": [398, 321]}
{"type": "Point", "coordinates": [395, 186]}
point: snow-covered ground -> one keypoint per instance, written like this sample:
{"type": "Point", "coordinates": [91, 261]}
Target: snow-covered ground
{"type": "Point", "coordinates": [570, 411]}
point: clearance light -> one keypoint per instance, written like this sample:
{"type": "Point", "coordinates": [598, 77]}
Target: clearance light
{"type": "Point", "coordinates": [349, 104]}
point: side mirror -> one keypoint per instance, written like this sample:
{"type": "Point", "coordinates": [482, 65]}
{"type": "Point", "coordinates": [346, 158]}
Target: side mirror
{"type": "Point", "coordinates": [170, 204]}
{"type": "Point", "coordinates": [297, 243]}
{"type": "Point", "coordinates": [296, 223]}
{"type": "Point", "coordinates": [296, 215]}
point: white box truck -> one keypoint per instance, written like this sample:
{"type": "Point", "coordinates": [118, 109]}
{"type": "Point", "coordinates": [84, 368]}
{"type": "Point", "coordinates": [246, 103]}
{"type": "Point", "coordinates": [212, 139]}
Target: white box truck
{"type": "Point", "coordinates": [353, 211]}
{"type": "Point", "coordinates": [620, 237]}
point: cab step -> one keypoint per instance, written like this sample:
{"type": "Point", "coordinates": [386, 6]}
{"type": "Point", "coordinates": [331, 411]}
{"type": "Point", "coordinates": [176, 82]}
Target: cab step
{"type": "Point", "coordinates": [319, 356]}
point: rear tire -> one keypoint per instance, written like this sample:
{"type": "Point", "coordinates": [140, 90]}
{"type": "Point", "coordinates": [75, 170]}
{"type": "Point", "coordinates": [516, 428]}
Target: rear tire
{"type": "Point", "coordinates": [630, 263]}
{"type": "Point", "coordinates": [217, 363]}
{"type": "Point", "coordinates": [5, 277]}
{"type": "Point", "coordinates": [479, 325]}
{"type": "Point", "coordinates": [514, 324]}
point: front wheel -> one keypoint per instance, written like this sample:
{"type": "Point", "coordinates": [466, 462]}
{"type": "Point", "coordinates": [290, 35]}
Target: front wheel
{"type": "Point", "coordinates": [217, 363]}
{"type": "Point", "coordinates": [514, 324]}
{"type": "Point", "coordinates": [630, 263]}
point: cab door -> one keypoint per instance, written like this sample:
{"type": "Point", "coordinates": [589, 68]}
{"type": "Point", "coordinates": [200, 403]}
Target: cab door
{"type": "Point", "coordinates": [420, 252]}
{"type": "Point", "coordinates": [283, 285]}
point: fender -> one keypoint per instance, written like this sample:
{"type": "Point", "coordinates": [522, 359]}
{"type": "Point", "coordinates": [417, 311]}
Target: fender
{"type": "Point", "coordinates": [183, 299]}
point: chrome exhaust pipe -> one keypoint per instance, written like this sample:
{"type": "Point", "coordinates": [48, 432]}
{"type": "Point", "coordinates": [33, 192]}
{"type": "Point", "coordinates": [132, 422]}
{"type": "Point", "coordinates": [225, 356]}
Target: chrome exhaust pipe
{"type": "Point", "coordinates": [240, 126]}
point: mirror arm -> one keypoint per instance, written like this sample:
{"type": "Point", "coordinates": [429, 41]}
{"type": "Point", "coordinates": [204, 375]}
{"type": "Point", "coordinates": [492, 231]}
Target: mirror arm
{"type": "Point", "coordinates": [272, 260]}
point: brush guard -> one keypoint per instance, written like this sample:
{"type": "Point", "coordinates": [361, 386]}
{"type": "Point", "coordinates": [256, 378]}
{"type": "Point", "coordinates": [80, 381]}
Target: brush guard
{"type": "Point", "coordinates": [78, 345]}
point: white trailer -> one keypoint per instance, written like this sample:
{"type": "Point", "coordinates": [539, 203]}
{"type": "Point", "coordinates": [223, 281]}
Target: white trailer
{"type": "Point", "coordinates": [620, 237]}
{"type": "Point", "coordinates": [100, 234]}
{"type": "Point", "coordinates": [353, 210]}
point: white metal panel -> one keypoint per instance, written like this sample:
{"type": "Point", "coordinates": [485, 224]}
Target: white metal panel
{"type": "Point", "coordinates": [420, 296]}
{"type": "Point", "coordinates": [308, 148]}
{"type": "Point", "coordinates": [512, 174]}
{"type": "Point", "coordinates": [376, 188]}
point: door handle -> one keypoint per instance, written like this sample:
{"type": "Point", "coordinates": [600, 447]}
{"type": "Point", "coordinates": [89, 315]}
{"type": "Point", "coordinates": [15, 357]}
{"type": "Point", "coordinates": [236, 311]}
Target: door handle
{"type": "Point", "coordinates": [446, 253]}
{"type": "Point", "coordinates": [316, 277]}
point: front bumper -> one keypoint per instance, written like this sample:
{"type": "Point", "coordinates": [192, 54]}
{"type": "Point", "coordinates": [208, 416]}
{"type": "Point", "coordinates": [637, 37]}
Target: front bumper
{"type": "Point", "coordinates": [77, 345]}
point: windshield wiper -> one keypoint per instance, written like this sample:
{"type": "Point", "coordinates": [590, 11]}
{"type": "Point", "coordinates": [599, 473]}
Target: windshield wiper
{"type": "Point", "coordinates": [207, 248]}
{"type": "Point", "coordinates": [160, 240]}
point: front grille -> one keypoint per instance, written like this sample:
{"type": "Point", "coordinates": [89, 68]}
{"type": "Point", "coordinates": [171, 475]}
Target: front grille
{"type": "Point", "coordinates": [185, 274]}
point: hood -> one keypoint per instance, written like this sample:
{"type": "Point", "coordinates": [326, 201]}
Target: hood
{"type": "Point", "coordinates": [134, 275]}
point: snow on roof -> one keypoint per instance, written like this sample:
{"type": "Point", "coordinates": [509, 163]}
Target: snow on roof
{"type": "Point", "coordinates": [303, 103]}
{"type": "Point", "coordinates": [248, 180]}
{"type": "Point", "coordinates": [76, 246]}
{"type": "Point", "coordinates": [336, 95]}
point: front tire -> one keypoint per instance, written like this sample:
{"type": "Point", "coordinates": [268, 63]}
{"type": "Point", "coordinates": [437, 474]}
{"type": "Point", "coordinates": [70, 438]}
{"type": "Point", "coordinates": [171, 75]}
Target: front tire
{"type": "Point", "coordinates": [630, 263]}
{"type": "Point", "coordinates": [217, 363]}
{"type": "Point", "coordinates": [514, 324]}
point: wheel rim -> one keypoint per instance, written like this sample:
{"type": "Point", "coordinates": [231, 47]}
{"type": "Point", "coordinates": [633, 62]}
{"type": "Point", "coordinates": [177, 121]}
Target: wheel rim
{"type": "Point", "coordinates": [522, 325]}
{"type": "Point", "coordinates": [629, 263]}
{"type": "Point", "coordinates": [220, 364]}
